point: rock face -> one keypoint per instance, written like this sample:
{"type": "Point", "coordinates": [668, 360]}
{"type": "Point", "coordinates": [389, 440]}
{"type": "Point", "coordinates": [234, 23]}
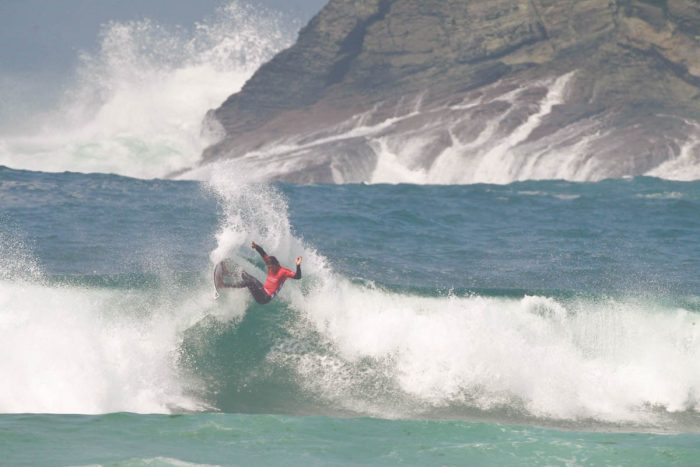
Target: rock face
{"type": "Point", "coordinates": [462, 91]}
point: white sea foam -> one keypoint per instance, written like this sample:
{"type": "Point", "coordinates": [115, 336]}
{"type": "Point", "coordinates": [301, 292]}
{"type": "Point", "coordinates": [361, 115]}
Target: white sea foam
{"type": "Point", "coordinates": [78, 350]}
{"type": "Point", "coordinates": [686, 166]}
{"type": "Point", "coordinates": [73, 349]}
{"type": "Point", "coordinates": [255, 212]}
{"type": "Point", "coordinates": [602, 359]}
{"type": "Point", "coordinates": [94, 350]}
{"type": "Point", "coordinates": [610, 360]}
{"type": "Point", "coordinates": [136, 107]}
{"type": "Point", "coordinates": [401, 154]}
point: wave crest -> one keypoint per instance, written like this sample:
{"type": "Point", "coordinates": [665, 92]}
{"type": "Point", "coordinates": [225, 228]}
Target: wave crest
{"type": "Point", "coordinates": [136, 106]}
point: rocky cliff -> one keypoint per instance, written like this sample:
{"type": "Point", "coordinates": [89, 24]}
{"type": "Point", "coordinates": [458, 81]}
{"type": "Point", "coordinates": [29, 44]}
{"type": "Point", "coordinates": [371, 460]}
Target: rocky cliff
{"type": "Point", "coordinates": [460, 91]}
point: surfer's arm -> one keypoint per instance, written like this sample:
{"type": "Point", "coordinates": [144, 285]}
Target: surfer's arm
{"type": "Point", "coordinates": [289, 274]}
{"type": "Point", "coordinates": [298, 273]}
{"type": "Point", "coordinates": [259, 249]}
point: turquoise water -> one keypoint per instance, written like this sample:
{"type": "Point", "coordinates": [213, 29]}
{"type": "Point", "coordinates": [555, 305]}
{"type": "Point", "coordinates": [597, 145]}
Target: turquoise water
{"type": "Point", "coordinates": [537, 323]}
{"type": "Point", "coordinates": [215, 439]}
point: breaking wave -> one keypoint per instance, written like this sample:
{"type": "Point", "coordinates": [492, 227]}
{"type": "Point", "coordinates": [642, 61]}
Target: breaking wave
{"type": "Point", "coordinates": [338, 345]}
{"type": "Point", "coordinates": [136, 106]}
{"type": "Point", "coordinates": [334, 345]}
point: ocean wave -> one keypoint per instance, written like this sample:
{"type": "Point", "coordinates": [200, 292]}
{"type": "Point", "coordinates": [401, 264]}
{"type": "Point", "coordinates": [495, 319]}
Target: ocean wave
{"type": "Point", "coordinates": [331, 345]}
{"type": "Point", "coordinates": [81, 350]}
{"type": "Point", "coordinates": [366, 350]}
{"type": "Point", "coordinates": [604, 360]}
{"type": "Point", "coordinates": [345, 348]}
{"type": "Point", "coordinates": [136, 106]}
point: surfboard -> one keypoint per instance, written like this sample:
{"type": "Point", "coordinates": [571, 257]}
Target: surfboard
{"type": "Point", "coordinates": [218, 277]}
{"type": "Point", "coordinates": [228, 272]}
{"type": "Point", "coordinates": [225, 273]}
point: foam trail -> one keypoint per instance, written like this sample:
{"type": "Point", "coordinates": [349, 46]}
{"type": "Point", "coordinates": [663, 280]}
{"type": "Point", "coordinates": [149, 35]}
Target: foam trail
{"type": "Point", "coordinates": [686, 167]}
{"type": "Point", "coordinates": [137, 105]}
{"type": "Point", "coordinates": [607, 360]}
{"type": "Point", "coordinates": [493, 163]}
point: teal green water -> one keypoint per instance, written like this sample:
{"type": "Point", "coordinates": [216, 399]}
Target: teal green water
{"type": "Point", "coordinates": [537, 323]}
{"type": "Point", "coordinates": [225, 439]}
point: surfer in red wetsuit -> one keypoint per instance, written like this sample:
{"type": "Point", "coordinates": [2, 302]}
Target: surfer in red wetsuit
{"type": "Point", "coordinates": [276, 275]}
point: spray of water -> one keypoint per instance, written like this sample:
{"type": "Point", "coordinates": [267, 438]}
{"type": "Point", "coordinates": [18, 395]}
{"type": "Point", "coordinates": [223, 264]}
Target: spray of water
{"type": "Point", "coordinates": [137, 105]}
{"type": "Point", "coordinates": [390, 354]}
{"type": "Point", "coordinates": [351, 346]}
{"type": "Point", "coordinates": [373, 351]}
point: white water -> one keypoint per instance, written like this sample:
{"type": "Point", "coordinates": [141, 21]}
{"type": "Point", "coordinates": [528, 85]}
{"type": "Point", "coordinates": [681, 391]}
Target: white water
{"type": "Point", "coordinates": [393, 354]}
{"type": "Point", "coordinates": [72, 349]}
{"type": "Point", "coordinates": [136, 106]}
{"type": "Point", "coordinates": [608, 360]}
{"type": "Point", "coordinates": [686, 166]}
{"type": "Point", "coordinates": [500, 134]}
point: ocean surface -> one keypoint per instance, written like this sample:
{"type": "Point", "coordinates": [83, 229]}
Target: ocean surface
{"type": "Point", "coordinates": [534, 323]}
{"type": "Point", "coordinates": [520, 323]}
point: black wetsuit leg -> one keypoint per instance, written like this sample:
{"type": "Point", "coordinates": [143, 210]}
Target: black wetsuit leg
{"type": "Point", "coordinates": [246, 281]}
{"type": "Point", "coordinates": [256, 288]}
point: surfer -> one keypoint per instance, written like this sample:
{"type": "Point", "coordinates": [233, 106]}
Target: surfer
{"type": "Point", "coordinates": [276, 276]}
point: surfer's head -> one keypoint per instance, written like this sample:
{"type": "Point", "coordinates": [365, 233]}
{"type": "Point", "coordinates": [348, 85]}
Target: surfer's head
{"type": "Point", "coordinates": [273, 263]}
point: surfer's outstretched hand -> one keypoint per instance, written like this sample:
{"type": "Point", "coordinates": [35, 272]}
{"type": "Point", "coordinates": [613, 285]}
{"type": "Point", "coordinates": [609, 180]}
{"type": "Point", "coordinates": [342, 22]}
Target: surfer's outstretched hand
{"type": "Point", "coordinates": [253, 245]}
{"type": "Point", "coordinates": [298, 260]}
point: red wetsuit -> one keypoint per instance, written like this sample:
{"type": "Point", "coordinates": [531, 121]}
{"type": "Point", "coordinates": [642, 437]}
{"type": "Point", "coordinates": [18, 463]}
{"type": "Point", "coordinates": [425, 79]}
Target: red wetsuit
{"type": "Point", "coordinates": [261, 293]}
{"type": "Point", "coordinates": [275, 281]}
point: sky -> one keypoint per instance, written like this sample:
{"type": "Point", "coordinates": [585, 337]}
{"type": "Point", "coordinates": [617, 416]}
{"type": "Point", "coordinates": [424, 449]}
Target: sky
{"type": "Point", "coordinates": [46, 36]}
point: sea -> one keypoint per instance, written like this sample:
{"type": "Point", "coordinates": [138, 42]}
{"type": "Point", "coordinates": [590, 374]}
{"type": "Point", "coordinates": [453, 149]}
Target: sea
{"type": "Point", "coordinates": [534, 322]}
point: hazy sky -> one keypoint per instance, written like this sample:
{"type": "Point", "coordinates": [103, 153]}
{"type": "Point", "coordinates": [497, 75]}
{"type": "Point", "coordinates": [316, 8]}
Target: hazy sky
{"type": "Point", "coordinates": [46, 35]}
